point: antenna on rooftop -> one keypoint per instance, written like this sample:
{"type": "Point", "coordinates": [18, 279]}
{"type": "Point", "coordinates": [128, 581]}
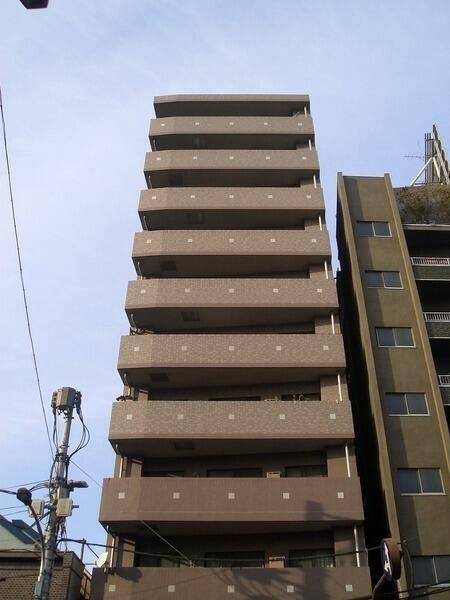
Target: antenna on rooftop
{"type": "Point", "coordinates": [435, 168]}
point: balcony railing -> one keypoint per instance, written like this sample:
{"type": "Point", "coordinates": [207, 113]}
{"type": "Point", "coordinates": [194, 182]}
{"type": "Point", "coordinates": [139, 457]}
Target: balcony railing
{"type": "Point", "coordinates": [437, 317]}
{"type": "Point", "coordinates": [444, 380]}
{"type": "Point", "coordinates": [427, 261]}
{"type": "Point", "coordinates": [318, 583]}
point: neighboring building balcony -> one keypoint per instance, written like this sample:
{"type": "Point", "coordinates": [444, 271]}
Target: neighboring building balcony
{"type": "Point", "coordinates": [444, 385]}
{"type": "Point", "coordinates": [228, 253]}
{"type": "Point", "coordinates": [252, 105]}
{"type": "Point", "coordinates": [202, 504]}
{"type": "Point", "coordinates": [278, 168]}
{"type": "Point", "coordinates": [164, 304]}
{"type": "Point", "coordinates": [230, 133]}
{"type": "Point", "coordinates": [438, 324]}
{"type": "Point", "coordinates": [245, 584]}
{"type": "Point", "coordinates": [230, 208]}
{"type": "Point", "coordinates": [431, 268]}
{"type": "Point", "coordinates": [196, 360]}
{"type": "Point", "coordinates": [183, 427]}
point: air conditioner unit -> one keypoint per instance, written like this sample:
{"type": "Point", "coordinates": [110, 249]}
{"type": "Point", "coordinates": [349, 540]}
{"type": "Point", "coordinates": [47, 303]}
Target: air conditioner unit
{"type": "Point", "coordinates": [273, 474]}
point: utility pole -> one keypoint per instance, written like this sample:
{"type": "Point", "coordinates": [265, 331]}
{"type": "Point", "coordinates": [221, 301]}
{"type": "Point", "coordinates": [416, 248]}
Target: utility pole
{"type": "Point", "coordinates": [64, 402]}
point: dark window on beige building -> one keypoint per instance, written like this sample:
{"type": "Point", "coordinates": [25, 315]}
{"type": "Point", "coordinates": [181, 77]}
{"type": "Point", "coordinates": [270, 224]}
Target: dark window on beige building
{"type": "Point", "coordinates": [301, 397]}
{"type": "Point", "coordinates": [431, 570]}
{"type": "Point", "coordinates": [400, 337]}
{"type": "Point", "coordinates": [146, 473]}
{"type": "Point", "coordinates": [247, 472]}
{"type": "Point", "coordinates": [384, 279]}
{"type": "Point", "coordinates": [420, 481]}
{"type": "Point", "coordinates": [235, 560]}
{"type": "Point", "coordinates": [317, 558]}
{"type": "Point", "coordinates": [406, 404]}
{"type": "Point", "coordinates": [307, 471]}
{"type": "Point", "coordinates": [373, 228]}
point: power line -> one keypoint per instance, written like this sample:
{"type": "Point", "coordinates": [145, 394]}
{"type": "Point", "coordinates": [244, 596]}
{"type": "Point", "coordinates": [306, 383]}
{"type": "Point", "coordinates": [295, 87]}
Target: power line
{"type": "Point", "coordinates": [14, 487]}
{"type": "Point", "coordinates": [16, 512]}
{"type": "Point", "coordinates": [19, 259]}
{"type": "Point", "coordinates": [165, 541]}
{"type": "Point", "coordinates": [195, 559]}
{"type": "Point", "coordinates": [86, 473]}
{"type": "Point", "coordinates": [110, 547]}
{"type": "Point", "coordinates": [421, 593]}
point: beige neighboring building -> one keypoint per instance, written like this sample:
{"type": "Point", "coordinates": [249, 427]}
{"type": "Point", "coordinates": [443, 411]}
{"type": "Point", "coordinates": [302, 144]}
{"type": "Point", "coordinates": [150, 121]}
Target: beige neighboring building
{"type": "Point", "coordinates": [394, 287]}
{"type": "Point", "coordinates": [20, 558]}
{"type": "Point", "coordinates": [234, 436]}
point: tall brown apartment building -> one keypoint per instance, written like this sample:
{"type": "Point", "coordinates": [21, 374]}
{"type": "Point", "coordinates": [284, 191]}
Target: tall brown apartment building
{"type": "Point", "coordinates": [235, 474]}
{"type": "Point", "coordinates": [394, 249]}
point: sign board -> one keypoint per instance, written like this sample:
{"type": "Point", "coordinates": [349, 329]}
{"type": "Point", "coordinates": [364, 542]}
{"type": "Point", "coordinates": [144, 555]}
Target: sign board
{"type": "Point", "coordinates": [391, 559]}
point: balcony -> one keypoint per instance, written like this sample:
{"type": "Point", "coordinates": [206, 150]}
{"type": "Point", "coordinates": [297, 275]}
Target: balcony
{"type": "Point", "coordinates": [198, 360]}
{"type": "Point", "coordinates": [320, 584]}
{"type": "Point", "coordinates": [187, 105]}
{"type": "Point", "coordinates": [152, 428]}
{"type": "Point", "coordinates": [431, 268]}
{"type": "Point", "coordinates": [444, 385]}
{"type": "Point", "coordinates": [182, 506]}
{"type": "Point", "coordinates": [235, 168]}
{"type": "Point", "coordinates": [438, 324]}
{"type": "Point", "coordinates": [164, 305]}
{"type": "Point", "coordinates": [230, 208]}
{"type": "Point", "coordinates": [177, 133]}
{"type": "Point", "coordinates": [228, 253]}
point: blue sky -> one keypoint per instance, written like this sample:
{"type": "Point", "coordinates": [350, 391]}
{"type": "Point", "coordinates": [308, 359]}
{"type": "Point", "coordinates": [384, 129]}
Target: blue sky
{"type": "Point", "coordinates": [78, 81]}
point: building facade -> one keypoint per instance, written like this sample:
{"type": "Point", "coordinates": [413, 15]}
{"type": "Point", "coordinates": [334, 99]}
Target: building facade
{"type": "Point", "coordinates": [235, 470]}
{"type": "Point", "coordinates": [394, 288]}
{"type": "Point", "coordinates": [20, 558]}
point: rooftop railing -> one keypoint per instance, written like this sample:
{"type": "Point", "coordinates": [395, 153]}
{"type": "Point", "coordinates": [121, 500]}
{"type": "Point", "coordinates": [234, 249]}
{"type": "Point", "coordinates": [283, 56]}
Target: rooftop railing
{"type": "Point", "coordinates": [427, 261]}
{"type": "Point", "coordinates": [444, 380]}
{"type": "Point", "coordinates": [437, 317]}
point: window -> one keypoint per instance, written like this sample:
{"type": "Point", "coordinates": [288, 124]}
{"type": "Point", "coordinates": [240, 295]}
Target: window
{"type": "Point", "coordinates": [401, 337]}
{"type": "Point", "coordinates": [420, 481]}
{"type": "Point", "coordinates": [373, 228]}
{"type": "Point", "coordinates": [406, 404]}
{"type": "Point", "coordinates": [431, 570]}
{"type": "Point", "coordinates": [301, 397]}
{"type": "Point", "coordinates": [146, 473]}
{"type": "Point", "coordinates": [190, 315]}
{"type": "Point", "coordinates": [141, 560]}
{"type": "Point", "coordinates": [247, 472]}
{"type": "Point", "coordinates": [236, 398]}
{"type": "Point", "coordinates": [168, 266]}
{"type": "Point", "coordinates": [307, 471]}
{"type": "Point", "coordinates": [318, 558]}
{"type": "Point", "coordinates": [383, 279]}
{"type": "Point", "coordinates": [235, 560]}
{"type": "Point", "coordinates": [159, 377]}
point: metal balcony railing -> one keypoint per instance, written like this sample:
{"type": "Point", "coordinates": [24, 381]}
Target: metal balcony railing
{"type": "Point", "coordinates": [427, 261]}
{"type": "Point", "coordinates": [437, 317]}
{"type": "Point", "coordinates": [444, 380]}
